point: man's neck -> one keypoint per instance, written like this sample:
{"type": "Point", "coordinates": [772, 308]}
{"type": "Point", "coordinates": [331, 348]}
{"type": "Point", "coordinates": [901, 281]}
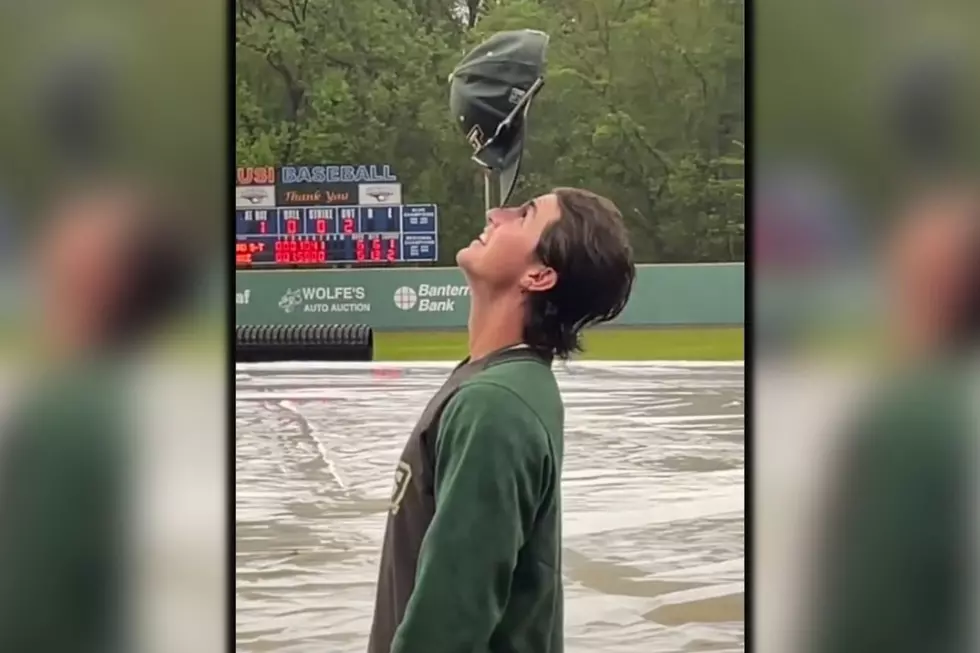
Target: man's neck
{"type": "Point", "coordinates": [494, 324]}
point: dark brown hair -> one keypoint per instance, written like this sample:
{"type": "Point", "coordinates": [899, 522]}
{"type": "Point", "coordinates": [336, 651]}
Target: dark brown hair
{"type": "Point", "coordinates": [160, 268]}
{"type": "Point", "coordinates": [589, 249]}
{"type": "Point", "coordinates": [966, 327]}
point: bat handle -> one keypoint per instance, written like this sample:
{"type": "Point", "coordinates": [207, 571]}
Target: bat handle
{"type": "Point", "coordinates": [490, 188]}
{"type": "Point", "coordinates": [486, 191]}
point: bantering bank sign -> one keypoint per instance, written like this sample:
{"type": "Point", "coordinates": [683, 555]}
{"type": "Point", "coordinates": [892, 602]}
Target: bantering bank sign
{"type": "Point", "coordinates": [427, 298]}
{"type": "Point", "coordinates": [383, 305]}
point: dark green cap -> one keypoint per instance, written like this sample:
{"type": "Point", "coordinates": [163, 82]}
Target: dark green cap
{"type": "Point", "coordinates": [490, 95]}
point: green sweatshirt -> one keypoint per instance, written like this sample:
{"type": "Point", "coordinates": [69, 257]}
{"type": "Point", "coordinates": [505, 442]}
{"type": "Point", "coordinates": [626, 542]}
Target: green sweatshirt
{"type": "Point", "coordinates": [471, 561]}
{"type": "Point", "coordinates": [61, 511]}
{"type": "Point", "coordinates": [893, 571]}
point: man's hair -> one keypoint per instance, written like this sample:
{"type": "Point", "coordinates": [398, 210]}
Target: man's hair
{"type": "Point", "coordinates": [589, 249]}
{"type": "Point", "coordinates": [966, 326]}
{"type": "Point", "coordinates": [160, 279]}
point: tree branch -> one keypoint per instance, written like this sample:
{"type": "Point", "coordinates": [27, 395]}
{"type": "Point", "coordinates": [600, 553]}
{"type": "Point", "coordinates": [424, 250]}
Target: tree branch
{"type": "Point", "coordinates": [690, 62]}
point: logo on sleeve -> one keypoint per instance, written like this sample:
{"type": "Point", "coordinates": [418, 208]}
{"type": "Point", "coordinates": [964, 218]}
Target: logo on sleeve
{"type": "Point", "coordinates": [403, 477]}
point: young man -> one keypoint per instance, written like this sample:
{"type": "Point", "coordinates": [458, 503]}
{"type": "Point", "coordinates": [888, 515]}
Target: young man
{"type": "Point", "coordinates": [897, 537]}
{"type": "Point", "coordinates": [107, 284]}
{"type": "Point", "coordinates": [472, 553]}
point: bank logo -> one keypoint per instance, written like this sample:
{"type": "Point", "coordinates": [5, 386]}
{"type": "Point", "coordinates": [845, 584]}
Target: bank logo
{"type": "Point", "coordinates": [405, 298]}
{"type": "Point", "coordinates": [291, 300]}
{"type": "Point", "coordinates": [427, 298]}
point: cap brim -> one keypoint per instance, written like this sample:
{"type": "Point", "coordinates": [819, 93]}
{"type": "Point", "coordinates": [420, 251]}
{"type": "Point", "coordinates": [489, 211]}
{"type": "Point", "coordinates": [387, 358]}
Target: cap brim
{"type": "Point", "coordinates": [504, 159]}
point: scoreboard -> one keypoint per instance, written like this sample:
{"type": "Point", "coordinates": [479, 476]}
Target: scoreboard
{"type": "Point", "coordinates": [336, 234]}
{"type": "Point", "coordinates": [319, 223]}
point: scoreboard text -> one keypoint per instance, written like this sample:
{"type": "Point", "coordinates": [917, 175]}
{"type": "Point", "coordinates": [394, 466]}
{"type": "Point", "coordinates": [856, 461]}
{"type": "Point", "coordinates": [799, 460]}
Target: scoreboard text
{"type": "Point", "coordinates": [329, 215]}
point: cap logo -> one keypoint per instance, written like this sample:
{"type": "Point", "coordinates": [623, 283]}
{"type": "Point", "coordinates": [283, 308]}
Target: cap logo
{"type": "Point", "coordinates": [476, 138]}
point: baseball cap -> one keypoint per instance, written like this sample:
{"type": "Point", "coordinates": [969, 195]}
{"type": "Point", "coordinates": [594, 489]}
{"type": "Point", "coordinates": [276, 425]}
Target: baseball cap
{"type": "Point", "coordinates": [490, 95]}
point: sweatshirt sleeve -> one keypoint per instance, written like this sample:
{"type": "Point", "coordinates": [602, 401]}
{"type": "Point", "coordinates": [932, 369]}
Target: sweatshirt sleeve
{"type": "Point", "coordinates": [490, 459]}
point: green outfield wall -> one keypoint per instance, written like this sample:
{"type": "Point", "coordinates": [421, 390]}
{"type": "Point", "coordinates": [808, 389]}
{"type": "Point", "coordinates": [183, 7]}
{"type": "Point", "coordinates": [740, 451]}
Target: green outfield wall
{"type": "Point", "coordinates": [438, 298]}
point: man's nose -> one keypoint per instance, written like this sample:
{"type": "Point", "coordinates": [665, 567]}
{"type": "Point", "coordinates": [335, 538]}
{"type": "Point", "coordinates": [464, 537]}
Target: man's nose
{"type": "Point", "coordinates": [498, 216]}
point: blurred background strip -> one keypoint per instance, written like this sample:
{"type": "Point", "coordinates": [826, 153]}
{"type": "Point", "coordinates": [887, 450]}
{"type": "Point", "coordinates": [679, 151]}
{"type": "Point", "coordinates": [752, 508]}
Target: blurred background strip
{"type": "Point", "coordinates": [866, 252]}
{"type": "Point", "coordinates": [113, 165]}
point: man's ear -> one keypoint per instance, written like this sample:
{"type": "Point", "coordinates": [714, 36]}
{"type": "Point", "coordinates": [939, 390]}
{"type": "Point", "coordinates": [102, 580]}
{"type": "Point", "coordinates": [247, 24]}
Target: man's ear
{"type": "Point", "coordinates": [539, 279]}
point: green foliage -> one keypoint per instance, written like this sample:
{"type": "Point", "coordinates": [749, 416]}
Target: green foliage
{"type": "Point", "coordinates": [643, 104]}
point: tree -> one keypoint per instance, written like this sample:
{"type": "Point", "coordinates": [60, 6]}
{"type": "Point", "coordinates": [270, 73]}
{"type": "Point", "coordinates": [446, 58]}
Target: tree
{"type": "Point", "coordinates": [643, 103]}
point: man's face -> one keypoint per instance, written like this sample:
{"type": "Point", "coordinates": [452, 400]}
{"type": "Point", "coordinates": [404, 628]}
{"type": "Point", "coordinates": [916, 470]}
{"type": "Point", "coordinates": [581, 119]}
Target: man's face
{"type": "Point", "coordinates": [502, 257]}
{"type": "Point", "coordinates": [80, 259]}
{"type": "Point", "coordinates": [929, 266]}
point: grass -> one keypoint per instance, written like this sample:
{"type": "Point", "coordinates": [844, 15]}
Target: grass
{"type": "Point", "coordinates": [195, 339]}
{"type": "Point", "coordinates": [203, 340]}
{"type": "Point", "coordinates": [694, 344]}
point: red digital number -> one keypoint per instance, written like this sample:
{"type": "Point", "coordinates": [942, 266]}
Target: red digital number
{"type": "Point", "coordinates": [316, 252]}
{"type": "Point", "coordinates": [303, 254]}
{"type": "Point", "coordinates": [242, 255]}
{"type": "Point", "coordinates": [243, 252]}
{"type": "Point", "coordinates": [376, 249]}
{"type": "Point", "coordinates": [262, 227]}
{"type": "Point", "coordinates": [360, 250]}
{"type": "Point", "coordinates": [299, 251]}
{"type": "Point", "coordinates": [289, 251]}
{"type": "Point", "coordinates": [392, 250]}
{"type": "Point", "coordinates": [348, 225]}
{"type": "Point", "coordinates": [292, 227]}
{"type": "Point", "coordinates": [321, 226]}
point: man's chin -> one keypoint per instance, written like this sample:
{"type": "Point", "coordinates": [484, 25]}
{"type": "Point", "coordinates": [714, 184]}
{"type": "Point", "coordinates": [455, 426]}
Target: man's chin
{"type": "Point", "coordinates": [466, 256]}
